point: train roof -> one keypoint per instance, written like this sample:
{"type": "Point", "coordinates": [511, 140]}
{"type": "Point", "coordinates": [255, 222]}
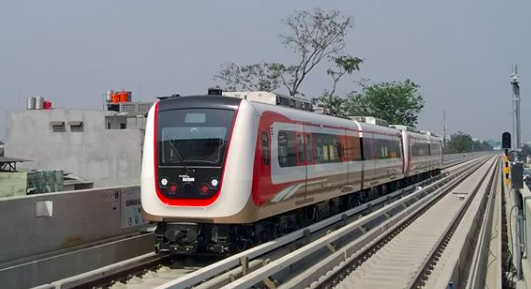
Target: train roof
{"type": "Point", "coordinates": [233, 100]}
{"type": "Point", "coordinates": [325, 120]}
{"type": "Point", "coordinates": [198, 101]}
{"type": "Point", "coordinates": [271, 98]}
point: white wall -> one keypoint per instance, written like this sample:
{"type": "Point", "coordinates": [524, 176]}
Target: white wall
{"type": "Point", "coordinates": [105, 157]}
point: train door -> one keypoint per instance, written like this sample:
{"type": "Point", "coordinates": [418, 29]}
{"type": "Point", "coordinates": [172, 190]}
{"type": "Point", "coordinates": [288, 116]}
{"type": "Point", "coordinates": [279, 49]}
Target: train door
{"type": "Point", "coordinates": [346, 158]}
{"type": "Point", "coordinates": [357, 167]}
{"type": "Point", "coordinates": [352, 157]}
{"type": "Point", "coordinates": [302, 161]}
{"type": "Point", "coordinates": [369, 161]}
{"type": "Point", "coordinates": [308, 150]}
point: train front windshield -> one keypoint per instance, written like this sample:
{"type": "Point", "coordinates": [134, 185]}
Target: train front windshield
{"type": "Point", "coordinates": [195, 137]}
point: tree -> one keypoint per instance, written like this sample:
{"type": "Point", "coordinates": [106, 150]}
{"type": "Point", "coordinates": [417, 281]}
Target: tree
{"type": "Point", "coordinates": [313, 36]}
{"type": "Point", "coordinates": [332, 103]}
{"type": "Point", "coordinates": [395, 102]}
{"type": "Point", "coordinates": [260, 76]}
{"type": "Point", "coordinates": [460, 142]}
{"type": "Point", "coordinates": [526, 151]}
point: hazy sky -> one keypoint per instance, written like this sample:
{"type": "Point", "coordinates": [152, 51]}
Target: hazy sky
{"type": "Point", "coordinates": [460, 52]}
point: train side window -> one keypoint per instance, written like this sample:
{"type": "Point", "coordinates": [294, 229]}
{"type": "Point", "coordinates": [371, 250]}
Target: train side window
{"type": "Point", "coordinates": [300, 145]}
{"type": "Point", "coordinates": [357, 148]}
{"type": "Point", "coordinates": [332, 154]}
{"type": "Point", "coordinates": [352, 149]}
{"type": "Point", "coordinates": [326, 148]}
{"type": "Point", "coordinates": [265, 148]}
{"type": "Point", "coordinates": [367, 144]}
{"type": "Point", "coordinates": [308, 148]}
{"type": "Point", "coordinates": [397, 153]}
{"type": "Point", "coordinates": [283, 101]}
{"type": "Point", "coordinates": [339, 149]}
{"type": "Point", "coordinates": [380, 148]}
{"type": "Point", "coordinates": [286, 149]}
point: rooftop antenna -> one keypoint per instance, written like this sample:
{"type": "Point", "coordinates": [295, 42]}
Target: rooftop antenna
{"type": "Point", "coordinates": [445, 128]}
{"type": "Point", "coordinates": [516, 108]}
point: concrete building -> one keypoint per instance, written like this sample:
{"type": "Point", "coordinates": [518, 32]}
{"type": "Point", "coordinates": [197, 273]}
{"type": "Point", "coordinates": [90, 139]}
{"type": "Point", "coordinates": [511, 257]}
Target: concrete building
{"type": "Point", "coordinates": [103, 147]}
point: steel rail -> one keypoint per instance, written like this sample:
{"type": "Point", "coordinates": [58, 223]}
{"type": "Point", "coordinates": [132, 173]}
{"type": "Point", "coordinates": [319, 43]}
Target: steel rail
{"type": "Point", "coordinates": [292, 258]}
{"type": "Point", "coordinates": [418, 281]}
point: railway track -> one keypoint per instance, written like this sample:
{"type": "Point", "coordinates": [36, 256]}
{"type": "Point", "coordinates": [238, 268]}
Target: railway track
{"type": "Point", "coordinates": [407, 256]}
{"type": "Point", "coordinates": [323, 263]}
{"type": "Point", "coordinates": [150, 271]}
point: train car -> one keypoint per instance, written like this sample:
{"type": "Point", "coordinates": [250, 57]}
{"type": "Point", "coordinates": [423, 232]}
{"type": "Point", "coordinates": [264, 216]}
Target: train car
{"type": "Point", "coordinates": [383, 160]}
{"type": "Point", "coordinates": [436, 156]}
{"type": "Point", "coordinates": [220, 173]}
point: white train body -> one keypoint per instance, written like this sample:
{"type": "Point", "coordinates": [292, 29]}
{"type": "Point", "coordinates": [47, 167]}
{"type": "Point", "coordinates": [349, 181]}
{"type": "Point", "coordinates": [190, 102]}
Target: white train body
{"type": "Point", "coordinates": [229, 160]}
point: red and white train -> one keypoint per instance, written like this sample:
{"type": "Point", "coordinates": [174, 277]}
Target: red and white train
{"type": "Point", "coordinates": [220, 173]}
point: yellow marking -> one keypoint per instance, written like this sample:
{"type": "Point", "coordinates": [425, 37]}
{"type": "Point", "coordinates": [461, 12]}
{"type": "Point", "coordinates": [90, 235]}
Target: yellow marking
{"type": "Point", "coordinates": [506, 170]}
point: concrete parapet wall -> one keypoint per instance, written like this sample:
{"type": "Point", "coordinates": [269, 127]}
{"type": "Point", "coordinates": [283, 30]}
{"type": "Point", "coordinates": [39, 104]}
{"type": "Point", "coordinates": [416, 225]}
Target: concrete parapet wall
{"type": "Point", "coordinates": [38, 224]}
{"type": "Point", "coordinates": [53, 268]}
{"type": "Point", "coordinates": [526, 197]}
{"type": "Point", "coordinates": [451, 157]}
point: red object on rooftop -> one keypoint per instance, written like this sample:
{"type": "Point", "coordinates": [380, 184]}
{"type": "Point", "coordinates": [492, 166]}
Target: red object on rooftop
{"type": "Point", "coordinates": [47, 105]}
{"type": "Point", "coordinates": [121, 97]}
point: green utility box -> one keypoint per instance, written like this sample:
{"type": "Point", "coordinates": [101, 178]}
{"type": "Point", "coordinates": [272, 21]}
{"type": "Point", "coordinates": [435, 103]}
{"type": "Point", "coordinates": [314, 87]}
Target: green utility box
{"type": "Point", "coordinates": [40, 182]}
{"type": "Point", "coordinates": [13, 184]}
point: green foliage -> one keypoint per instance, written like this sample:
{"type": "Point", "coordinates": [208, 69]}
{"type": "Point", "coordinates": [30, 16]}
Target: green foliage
{"type": "Point", "coordinates": [332, 105]}
{"type": "Point", "coordinates": [395, 102]}
{"type": "Point", "coordinates": [258, 76]}
{"type": "Point", "coordinates": [462, 142]}
{"type": "Point", "coordinates": [329, 101]}
{"type": "Point", "coordinates": [526, 151]}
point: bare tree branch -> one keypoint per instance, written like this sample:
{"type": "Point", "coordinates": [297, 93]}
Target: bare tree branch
{"type": "Point", "coordinates": [314, 35]}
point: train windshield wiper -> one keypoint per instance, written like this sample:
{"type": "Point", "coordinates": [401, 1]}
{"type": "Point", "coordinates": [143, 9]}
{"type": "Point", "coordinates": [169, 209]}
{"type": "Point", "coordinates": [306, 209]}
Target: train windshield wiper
{"type": "Point", "coordinates": [181, 160]}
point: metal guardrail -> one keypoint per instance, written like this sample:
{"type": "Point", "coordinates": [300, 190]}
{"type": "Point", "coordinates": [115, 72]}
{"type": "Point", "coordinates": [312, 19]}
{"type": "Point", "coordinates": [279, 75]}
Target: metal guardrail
{"type": "Point", "coordinates": [243, 258]}
{"type": "Point", "coordinates": [478, 270]}
{"type": "Point", "coordinates": [346, 254]}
